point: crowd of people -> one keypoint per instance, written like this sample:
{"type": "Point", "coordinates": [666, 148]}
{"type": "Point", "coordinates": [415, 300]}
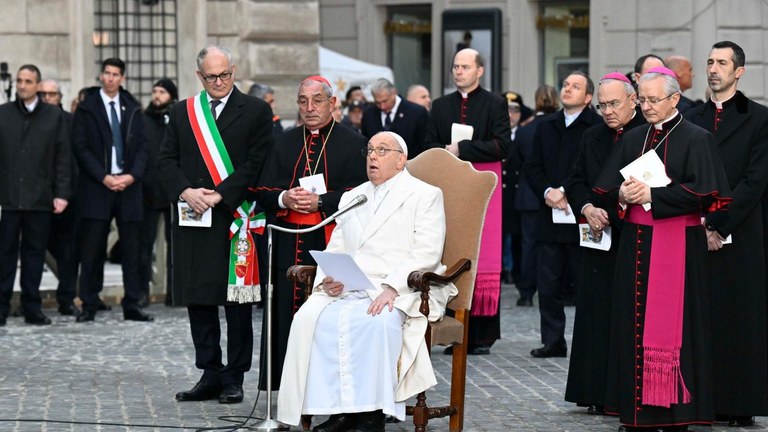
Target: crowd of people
{"type": "Point", "coordinates": [623, 197]}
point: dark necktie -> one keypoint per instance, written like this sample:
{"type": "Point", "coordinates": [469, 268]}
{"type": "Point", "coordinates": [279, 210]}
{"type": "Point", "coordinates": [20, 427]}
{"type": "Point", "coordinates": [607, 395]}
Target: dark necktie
{"type": "Point", "coordinates": [387, 121]}
{"type": "Point", "coordinates": [117, 136]}
{"type": "Point", "coordinates": [214, 104]}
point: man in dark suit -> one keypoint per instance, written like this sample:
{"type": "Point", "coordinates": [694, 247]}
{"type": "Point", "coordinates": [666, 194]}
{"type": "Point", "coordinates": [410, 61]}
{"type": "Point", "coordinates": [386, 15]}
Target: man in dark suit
{"type": "Point", "coordinates": [34, 182]}
{"type": "Point", "coordinates": [390, 112]}
{"type": "Point", "coordinates": [739, 339]}
{"type": "Point", "coordinates": [551, 163]}
{"type": "Point", "coordinates": [111, 149]}
{"type": "Point", "coordinates": [202, 280]}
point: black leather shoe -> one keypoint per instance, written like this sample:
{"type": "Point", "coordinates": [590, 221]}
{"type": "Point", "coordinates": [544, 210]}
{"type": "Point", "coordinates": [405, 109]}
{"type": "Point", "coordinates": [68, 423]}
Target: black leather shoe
{"type": "Point", "coordinates": [550, 351]}
{"type": "Point", "coordinates": [524, 301]}
{"type": "Point", "coordinates": [100, 305]}
{"type": "Point", "coordinates": [337, 423]}
{"type": "Point", "coordinates": [595, 410]}
{"type": "Point", "coordinates": [372, 421]}
{"type": "Point", "coordinates": [479, 350]}
{"type": "Point", "coordinates": [448, 351]}
{"type": "Point", "coordinates": [137, 315]}
{"type": "Point", "coordinates": [741, 421]}
{"type": "Point", "coordinates": [3, 320]}
{"type": "Point", "coordinates": [232, 393]}
{"type": "Point", "coordinates": [69, 310]}
{"type": "Point", "coordinates": [37, 318]}
{"type": "Point", "coordinates": [85, 316]}
{"type": "Point", "coordinates": [203, 390]}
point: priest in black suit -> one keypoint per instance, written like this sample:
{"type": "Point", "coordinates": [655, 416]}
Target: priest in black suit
{"type": "Point", "coordinates": [740, 332]}
{"type": "Point", "coordinates": [616, 99]}
{"type": "Point", "coordinates": [320, 147]}
{"type": "Point", "coordinates": [390, 112]}
{"type": "Point", "coordinates": [491, 142]}
{"type": "Point", "coordinates": [201, 255]}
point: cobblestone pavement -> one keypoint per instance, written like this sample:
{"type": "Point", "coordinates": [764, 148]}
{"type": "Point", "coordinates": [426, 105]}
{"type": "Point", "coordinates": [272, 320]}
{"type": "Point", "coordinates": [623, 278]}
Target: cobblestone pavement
{"type": "Point", "coordinates": [124, 375]}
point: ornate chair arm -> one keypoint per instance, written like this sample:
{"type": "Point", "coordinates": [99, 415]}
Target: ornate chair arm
{"type": "Point", "coordinates": [302, 275]}
{"type": "Point", "coordinates": [420, 280]}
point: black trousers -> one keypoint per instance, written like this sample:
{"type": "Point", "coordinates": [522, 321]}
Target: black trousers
{"type": "Point", "coordinates": [526, 284]}
{"type": "Point", "coordinates": [93, 252]}
{"type": "Point", "coordinates": [147, 237]}
{"type": "Point", "coordinates": [62, 243]}
{"type": "Point", "coordinates": [557, 262]}
{"type": "Point", "coordinates": [31, 229]}
{"type": "Point", "coordinates": [206, 336]}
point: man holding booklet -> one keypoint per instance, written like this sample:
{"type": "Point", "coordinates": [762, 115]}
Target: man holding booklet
{"type": "Point", "coordinates": [357, 354]}
{"type": "Point", "coordinates": [661, 293]}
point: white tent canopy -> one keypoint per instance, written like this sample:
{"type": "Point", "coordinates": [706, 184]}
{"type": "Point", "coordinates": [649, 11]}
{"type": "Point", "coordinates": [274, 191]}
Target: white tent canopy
{"type": "Point", "coordinates": [344, 72]}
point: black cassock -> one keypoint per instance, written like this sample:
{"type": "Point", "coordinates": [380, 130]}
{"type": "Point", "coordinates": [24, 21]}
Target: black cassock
{"type": "Point", "coordinates": [737, 271]}
{"type": "Point", "coordinates": [591, 327]}
{"type": "Point", "coordinates": [698, 183]}
{"type": "Point", "coordinates": [336, 153]}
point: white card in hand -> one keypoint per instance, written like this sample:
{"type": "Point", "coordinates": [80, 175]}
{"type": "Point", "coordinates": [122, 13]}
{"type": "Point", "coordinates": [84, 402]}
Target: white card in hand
{"type": "Point", "coordinates": [461, 132]}
{"type": "Point", "coordinates": [189, 218]}
{"type": "Point", "coordinates": [314, 183]}
{"type": "Point", "coordinates": [559, 216]}
{"type": "Point", "coordinates": [649, 169]}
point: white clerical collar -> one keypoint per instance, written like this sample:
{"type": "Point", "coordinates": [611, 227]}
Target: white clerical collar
{"type": "Point", "coordinates": [660, 125]}
{"type": "Point", "coordinates": [719, 104]}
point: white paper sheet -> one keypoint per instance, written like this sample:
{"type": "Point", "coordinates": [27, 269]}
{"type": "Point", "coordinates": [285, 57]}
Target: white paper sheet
{"type": "Point", "coordinates": [188, 217]}
{"type": "Point", "coordinates": [649, 169]}
{"type": "Point", "coordinates": [593, 240]}
{"type": "Point", "coordinates": [314, 183]}
{"type": "Point", "coordinates": [342, 268]}
{"type": "Point", "coordinates": [559, 216]}
{"type": "Point", "coordinates": [461, 132]}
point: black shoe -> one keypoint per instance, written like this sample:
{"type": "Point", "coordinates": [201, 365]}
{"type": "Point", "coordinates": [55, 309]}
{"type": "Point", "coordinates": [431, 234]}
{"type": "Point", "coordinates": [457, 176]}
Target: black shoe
{"type": "Point", "coordinates": [391, 419]}
{"type": "Point", "coordinates": [37, 318]}
{"type": "Point", "coordinates": [101, 306]}
{"type": "Point", "coordinates": [86, 315]}
{"type": "Point", "coordinates": [137, 315]}
{"type": "Point", "coordinates": [203, 390]}
{"type": "Point", "coordinates": [550, 351]}
{"type": "Point", "coordinates": [69, 310]}
{"type": "Point", "coordinates": [524, 301]}
{"type": "Point", "coordinates": [741, 421]}
{"type": "Point", "coordinates": [448, 351]}
{"type": "Point", "coordinates": [595, 410]}
{"type": "Point", "coordinates": [479, 350]}
{"type": "Point", "coordinates": [3, 320]}
{"type": "Point", "coordinates": [506, 277]}
{"type": "Point", "coordinates": [232, 393]}
{"type": "Point", "coordinates": [372, 421]}
{"type": "Point", "coordinates": [337, 423]}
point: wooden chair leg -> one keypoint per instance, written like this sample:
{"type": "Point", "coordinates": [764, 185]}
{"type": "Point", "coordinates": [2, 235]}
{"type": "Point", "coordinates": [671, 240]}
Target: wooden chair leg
{"type": "Point", "coordinates": [458, 386]}
{"type": "Point", "coordinates": [420, 413]}
{"type": "Point", "coordinates": [306, 422]}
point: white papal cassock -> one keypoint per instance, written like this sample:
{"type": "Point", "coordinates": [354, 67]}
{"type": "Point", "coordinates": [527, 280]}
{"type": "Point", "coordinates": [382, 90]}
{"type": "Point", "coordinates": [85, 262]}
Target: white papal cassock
{"type": "Point", "coordinates": [339, 358]}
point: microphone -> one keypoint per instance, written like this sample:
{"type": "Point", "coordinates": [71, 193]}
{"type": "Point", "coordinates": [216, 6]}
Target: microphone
{"type": "Point", "coordinates": [356, 201]}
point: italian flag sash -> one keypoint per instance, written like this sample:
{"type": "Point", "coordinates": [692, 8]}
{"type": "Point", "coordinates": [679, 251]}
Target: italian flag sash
{"type": "Point", "coordinates": [243, 276]}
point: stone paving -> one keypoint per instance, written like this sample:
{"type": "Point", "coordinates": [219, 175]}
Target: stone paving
{"type": "Point", "coordinates": [123, 376]}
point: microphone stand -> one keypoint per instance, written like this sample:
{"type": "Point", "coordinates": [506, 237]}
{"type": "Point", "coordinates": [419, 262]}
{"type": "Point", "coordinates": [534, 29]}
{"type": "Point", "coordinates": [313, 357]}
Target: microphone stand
{"type": "Point", "coordinates": [268, 424]}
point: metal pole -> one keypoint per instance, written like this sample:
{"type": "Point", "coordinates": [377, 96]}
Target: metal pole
{"type": "Point", "coordinates": [268, 424]}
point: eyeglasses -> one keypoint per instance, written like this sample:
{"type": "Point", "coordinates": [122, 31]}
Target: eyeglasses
{"type": "Point", "coordinates": [50, 94]}
{"type": "Point", "coordinates": [381, 151]}
{"type": "Point", "coordinates": [651, 101]}
{"type": "Point", "coordinates": [611, 104]}
{"type": "Point", "coordinates": [222, 76]}
{"type": "Point", "coordinates": [316, 101]}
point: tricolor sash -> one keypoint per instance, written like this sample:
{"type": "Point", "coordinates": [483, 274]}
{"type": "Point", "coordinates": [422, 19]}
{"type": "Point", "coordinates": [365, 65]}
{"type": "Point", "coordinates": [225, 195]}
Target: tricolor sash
{"type": "Point", "coordinates": [243, 275]}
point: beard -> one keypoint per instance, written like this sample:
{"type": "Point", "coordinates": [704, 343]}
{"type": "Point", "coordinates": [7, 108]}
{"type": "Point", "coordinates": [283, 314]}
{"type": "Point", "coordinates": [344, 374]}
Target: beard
{"type": "Point", "coordinates": [157, 110]}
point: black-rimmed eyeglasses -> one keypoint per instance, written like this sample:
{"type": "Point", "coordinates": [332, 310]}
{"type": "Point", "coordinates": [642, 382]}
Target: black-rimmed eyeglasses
{"type": "Point", "coordinates": [222, 76]}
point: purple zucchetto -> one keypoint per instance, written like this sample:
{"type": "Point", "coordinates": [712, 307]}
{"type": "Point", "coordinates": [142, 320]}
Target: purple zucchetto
{"type": "Point", "coordinates": [616, 76]}
{"type": "Point", "coordinates": [663, 70]}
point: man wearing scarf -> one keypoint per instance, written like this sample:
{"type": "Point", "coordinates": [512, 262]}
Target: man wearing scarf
{"type": "Point", "coordinates": [332, 153]}
{"type": "Point", "coordinates": [156, 202]}
{"type": "Point", "coordinates": [661, 379]}
{"type": "Point", "coordinates": [215, 146]}
{"type": "Point", "coordinates": [491, 142]}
